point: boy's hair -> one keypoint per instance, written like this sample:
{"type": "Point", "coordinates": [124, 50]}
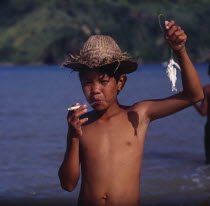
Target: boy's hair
{"type": "Point", "coordinates": [116, 75]}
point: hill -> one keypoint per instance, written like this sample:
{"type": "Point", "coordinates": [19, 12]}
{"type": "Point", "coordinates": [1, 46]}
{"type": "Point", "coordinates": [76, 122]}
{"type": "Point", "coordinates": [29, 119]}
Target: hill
{"type": "Point", "coordinates": [40, 32]}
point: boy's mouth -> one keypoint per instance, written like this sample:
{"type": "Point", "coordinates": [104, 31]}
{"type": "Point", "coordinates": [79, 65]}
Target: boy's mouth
{"type": "Point", "coordinates": [96, 102]}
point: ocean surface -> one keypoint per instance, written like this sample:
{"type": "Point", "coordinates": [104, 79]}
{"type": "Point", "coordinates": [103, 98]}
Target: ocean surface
{"type": "Point", "coordinates": [33, 127]}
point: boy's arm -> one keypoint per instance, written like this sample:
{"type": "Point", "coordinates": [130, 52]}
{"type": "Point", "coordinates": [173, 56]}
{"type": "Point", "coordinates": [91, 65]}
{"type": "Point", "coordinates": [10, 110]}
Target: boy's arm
{"type": "Point", "coordinates": [69, 171]}
{"type": "Point", "coordinates": [192, 90]}
{"type": "Point", "coordinates": [203, 107]}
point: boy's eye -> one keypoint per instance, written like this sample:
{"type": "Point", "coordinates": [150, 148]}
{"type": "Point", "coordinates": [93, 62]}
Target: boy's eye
{"type": "Point", "coordinates": [104, 81]}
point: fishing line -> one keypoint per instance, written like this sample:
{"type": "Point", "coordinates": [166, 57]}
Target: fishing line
{"type": "Point", "coordinates": [159, 20]}
{"type": "Point", "coordinates": [172, 66]}
{"type": "Point", "coordinates": [162, 27]}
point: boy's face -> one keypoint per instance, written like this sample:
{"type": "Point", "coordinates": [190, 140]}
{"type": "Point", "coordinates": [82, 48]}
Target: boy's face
{"type": "Point", "coordinates": [99, 89]}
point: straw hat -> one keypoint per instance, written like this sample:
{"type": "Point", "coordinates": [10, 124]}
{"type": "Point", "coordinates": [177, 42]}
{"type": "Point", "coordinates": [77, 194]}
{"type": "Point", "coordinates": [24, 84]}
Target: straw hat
{"type": "Point", "coordinates": [101, 52]}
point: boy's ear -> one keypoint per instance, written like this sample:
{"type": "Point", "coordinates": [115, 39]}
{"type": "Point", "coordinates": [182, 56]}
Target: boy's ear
{"type": "Point", "coordinates": [121, 82]}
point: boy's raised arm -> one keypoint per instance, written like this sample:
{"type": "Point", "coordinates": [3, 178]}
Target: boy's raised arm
{"type": "Point", "coordinates": [192, 90]}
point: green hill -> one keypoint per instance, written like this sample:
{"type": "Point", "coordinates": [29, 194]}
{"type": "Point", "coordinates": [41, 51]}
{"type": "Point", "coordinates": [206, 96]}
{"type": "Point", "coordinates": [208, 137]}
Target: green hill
{"type": "Point", "coordinates": [45, 31]}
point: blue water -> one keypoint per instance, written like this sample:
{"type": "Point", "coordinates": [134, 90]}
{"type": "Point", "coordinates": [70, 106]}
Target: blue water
{"type": "Point", "coordinates": [33, 109]}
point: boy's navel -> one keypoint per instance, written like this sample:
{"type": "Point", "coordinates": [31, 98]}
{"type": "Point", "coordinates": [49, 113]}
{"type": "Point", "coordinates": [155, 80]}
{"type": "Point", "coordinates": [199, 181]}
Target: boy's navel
{"type": "Point", "coordinates": [105, 197]}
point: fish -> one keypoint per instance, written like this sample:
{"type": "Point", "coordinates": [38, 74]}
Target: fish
{"type": "Point", "coordinates": [171, 72]}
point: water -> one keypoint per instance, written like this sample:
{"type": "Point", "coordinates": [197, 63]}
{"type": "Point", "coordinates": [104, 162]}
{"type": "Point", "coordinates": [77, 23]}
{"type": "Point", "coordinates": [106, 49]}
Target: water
{"type": "Point", "coordinates": [33, 109]}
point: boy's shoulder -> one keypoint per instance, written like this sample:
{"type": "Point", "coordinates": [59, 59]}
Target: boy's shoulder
{"type": "Point", "coordinates": [138, 107]}
{"type": "Point", "coordinates": [126, 108]}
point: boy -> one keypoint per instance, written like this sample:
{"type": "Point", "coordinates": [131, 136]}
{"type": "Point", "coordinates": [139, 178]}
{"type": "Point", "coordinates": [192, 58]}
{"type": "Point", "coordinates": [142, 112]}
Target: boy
{"type": "Point", "coordinates": [204, 109]}
{"type": "Point", "coordinates": [108, 142]}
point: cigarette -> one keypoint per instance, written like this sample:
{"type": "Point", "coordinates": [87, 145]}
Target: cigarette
{"type": "Point", "coordinates": [73, 108]}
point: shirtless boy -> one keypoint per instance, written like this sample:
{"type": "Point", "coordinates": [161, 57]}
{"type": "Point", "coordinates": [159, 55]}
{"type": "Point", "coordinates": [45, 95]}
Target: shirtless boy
{"type": "Point", "coordinates": [204, 109]}
{"type": "Point", "coordinates": [108, 142]}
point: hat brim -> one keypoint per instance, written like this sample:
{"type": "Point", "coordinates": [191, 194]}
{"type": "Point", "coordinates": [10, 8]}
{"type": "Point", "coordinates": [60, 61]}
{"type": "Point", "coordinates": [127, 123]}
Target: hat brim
{"type": "Point", "coordinates": [125, 67]}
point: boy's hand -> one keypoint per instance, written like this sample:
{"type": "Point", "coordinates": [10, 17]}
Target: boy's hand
{"type": "Point", "coordinates": [74, 122]}
{"type": "Point", "coordinates": [175, 36]}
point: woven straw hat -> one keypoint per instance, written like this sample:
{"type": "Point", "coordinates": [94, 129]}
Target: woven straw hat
{"type": "Point", "coordinates": [101, 52]}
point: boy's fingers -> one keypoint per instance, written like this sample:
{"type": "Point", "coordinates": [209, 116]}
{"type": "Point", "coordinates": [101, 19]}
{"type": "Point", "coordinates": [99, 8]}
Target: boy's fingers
{"type": "Point", "coordinates": [74, 122]}
{"type": "Point", "coordinates": [77, 123]}
{"type": "Point", "coordinates": [81, 108]}
{"type": "Point", "coordinates": [76, 104]}
{"type": "Point", "coordinates": [166, 24]}
{"type": "Point", "coordinates": [74, 117]}
{"type": "Point", "coordinates": [169, 24]}
{"type": "Point", "coordinates": [82, 121]}
{"type": "Point", "coordinates": [179, 28]}
{"type": "Point", "coordinates": [171, 31]}
{"type": "Point", "coordinates": [71, 111]}
{"type": "Point", "coordinates": [179, 32]}
{"type": "Point", "coordinates": [80, 112]}
{"type": "Point", "coordinates": [176, 35]}
{"type": "Point", "coordinates": [181, 39]}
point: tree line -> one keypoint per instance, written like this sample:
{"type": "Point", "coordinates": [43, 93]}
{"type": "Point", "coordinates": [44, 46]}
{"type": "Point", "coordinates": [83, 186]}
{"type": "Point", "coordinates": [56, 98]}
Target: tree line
{"type": "Point", "coordinates": [44, 32]}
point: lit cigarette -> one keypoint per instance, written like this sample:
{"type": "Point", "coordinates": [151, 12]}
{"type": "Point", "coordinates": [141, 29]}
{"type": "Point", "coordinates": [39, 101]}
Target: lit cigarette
{"type": "Point", "coordinates": [73, 108]}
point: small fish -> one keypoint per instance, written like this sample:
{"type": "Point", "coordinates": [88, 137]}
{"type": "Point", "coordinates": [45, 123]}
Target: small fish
{"type": "Point", "coordinates": [171, 72]}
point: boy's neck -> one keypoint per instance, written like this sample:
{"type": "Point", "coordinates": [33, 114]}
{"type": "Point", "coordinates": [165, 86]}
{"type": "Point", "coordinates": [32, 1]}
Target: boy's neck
{"type": "Point", "coordinates": [112, 111]}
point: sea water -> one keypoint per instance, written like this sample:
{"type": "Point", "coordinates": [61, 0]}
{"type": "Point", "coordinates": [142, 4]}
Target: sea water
{"type": "Point", "coordinates": [33, 110]}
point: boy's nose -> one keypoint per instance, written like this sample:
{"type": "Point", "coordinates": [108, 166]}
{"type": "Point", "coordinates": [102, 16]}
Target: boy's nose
{"type": "Point", "coordinates": [95, 89]}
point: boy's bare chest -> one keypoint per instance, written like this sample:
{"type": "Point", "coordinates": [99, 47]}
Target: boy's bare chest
{"type": "Point", "coordinates": [115, 138]}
